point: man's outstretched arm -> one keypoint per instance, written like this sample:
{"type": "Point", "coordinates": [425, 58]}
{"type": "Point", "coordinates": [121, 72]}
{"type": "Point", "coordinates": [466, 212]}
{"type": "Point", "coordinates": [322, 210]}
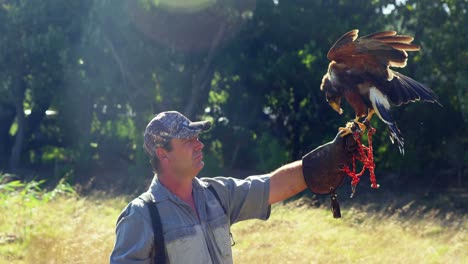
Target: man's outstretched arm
{"type": "Point", "coordinates": [320, 170]}
{"type": "Point", "coordinates": [286, 182]}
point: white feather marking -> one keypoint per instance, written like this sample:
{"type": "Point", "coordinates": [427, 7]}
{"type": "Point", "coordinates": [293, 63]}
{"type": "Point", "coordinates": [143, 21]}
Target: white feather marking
{"type": "Point", "coordinates": [377, 97]}
{"type": "Point", "coordinates": [390, 74]}
{"type": "Point", "coordinates": [334, 78]}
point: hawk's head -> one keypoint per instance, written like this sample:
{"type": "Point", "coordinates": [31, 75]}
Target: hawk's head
{"type": "Point", "coordinates": [332, 94]}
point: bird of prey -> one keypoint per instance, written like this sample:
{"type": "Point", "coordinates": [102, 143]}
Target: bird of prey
{"type": "Point", "coordinates": [360, 72]}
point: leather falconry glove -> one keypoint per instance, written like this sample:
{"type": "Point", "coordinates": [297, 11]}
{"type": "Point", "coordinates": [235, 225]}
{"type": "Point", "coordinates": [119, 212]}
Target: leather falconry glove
{"type": "Point", "coordinates": [322, 167]}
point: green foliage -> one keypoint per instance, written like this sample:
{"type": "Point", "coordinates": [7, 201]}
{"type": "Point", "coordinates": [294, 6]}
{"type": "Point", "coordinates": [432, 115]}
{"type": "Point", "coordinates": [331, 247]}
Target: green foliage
{"type": "Point", "coordinates": [31, 192]}
{"type": "Point", "coordinates": [271, 154]}
{"type": "Point", "coordinates": [214, 160]}
{"type": "Point", "coordinates": [27, 197]}
{"type": "Point", "coordinates": [106, 67]}
{"type": "Point", "coordinates": [53, 225]}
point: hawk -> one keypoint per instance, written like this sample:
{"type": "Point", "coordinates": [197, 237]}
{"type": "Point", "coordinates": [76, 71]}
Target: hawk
{"type": "Point", "coordinates": [360, 72]}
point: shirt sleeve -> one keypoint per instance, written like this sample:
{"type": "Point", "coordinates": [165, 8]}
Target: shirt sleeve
{"type": "Point", "coordinates": [134, 236]}
{"type": "Point", "coordinates": [244, 199]}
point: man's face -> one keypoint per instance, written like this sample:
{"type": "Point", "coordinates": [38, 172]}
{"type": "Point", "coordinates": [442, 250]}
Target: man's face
{"type": "Point", "coordinates": [186, 157]}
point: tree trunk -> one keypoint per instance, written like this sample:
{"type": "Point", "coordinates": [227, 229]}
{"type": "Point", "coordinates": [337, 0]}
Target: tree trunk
{"type": "Point", "coordinates": [7, 117]}
{"type": "Point", "coordinates": [19, 89]}
{"type": "Point", "coordinates": [36, 117]}
{"type": "Point", "coordinates": [202, 78]}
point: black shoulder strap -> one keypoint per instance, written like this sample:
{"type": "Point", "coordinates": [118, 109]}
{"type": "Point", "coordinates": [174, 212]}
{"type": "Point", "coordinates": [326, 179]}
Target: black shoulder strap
{"type": "Point", "coordinates": [160, 256]}
{"type": "Point", "coordinates": [212, 189]}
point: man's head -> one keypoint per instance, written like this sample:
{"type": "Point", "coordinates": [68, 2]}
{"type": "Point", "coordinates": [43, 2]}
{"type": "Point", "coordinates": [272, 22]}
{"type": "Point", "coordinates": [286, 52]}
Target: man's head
{"type": "Point", "coordinates": [171, 140]}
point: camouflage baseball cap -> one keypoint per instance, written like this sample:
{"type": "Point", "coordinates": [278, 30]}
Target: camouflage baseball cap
{"type": "Point", "coordinates": [168, 125]}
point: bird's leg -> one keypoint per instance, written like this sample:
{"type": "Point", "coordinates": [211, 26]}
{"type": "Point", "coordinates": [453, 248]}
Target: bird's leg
{"type": "Point", "coordinates": [350, 125]}
{"type": "Point", "coordinates": [362, 126]}
{"type": "Point", "coordinates": [366, 121]}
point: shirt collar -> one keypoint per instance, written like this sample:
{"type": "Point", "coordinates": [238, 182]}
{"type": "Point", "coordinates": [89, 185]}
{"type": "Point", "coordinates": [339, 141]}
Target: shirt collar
{"type": "Point", "coordinates": [160, 192]}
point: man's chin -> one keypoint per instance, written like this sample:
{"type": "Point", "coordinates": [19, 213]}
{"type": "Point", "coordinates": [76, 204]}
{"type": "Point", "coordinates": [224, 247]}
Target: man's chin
{"type": "Point", "coordinates": [198, 167]}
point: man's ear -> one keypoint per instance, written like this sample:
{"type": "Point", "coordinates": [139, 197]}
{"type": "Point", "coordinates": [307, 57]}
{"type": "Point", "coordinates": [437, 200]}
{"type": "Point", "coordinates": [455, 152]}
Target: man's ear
{"type": "Point", "coordinates": [162, 154]}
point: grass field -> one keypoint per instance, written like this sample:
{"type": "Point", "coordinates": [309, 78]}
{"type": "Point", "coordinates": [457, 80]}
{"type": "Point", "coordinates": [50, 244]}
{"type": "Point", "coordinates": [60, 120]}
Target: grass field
{"type": "Point", "coordinates": [58, 228]}
{"type": "Point", "coordinates": [310, 235]}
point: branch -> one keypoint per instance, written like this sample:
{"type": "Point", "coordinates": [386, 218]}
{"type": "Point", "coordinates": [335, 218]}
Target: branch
{"type": "Point", "coordinates": [202, 78]}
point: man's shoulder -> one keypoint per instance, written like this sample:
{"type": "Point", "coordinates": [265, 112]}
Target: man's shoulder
{"type": "Point", "coordinates": [135, 208]}
{"type": "Point", "coordinates": [218, 182]}
{"type": "Point", "coordinates": [206, 181]}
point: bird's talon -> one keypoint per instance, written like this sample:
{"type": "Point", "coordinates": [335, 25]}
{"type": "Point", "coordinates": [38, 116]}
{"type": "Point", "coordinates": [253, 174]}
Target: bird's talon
{"type": "Point", "coordinates": [351, 128]}
{"type": "Point", "coordinates": [345, 131]}
{"type": "Point", "coordinates": [366, 122]}
{"type": "Point", "coordinates": [362, 126]}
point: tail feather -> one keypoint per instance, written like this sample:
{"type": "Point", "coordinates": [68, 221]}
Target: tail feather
{"type": "Point", "coordinates": [395, 135]}
{"type": "Point", "coordinates": [381, 107]}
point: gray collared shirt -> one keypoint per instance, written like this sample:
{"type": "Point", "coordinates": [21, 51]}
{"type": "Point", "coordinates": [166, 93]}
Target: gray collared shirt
{"type": "Point", "coordinates": [188, 238]}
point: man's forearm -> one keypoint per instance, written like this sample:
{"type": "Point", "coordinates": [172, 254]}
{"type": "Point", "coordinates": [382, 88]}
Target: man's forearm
{"type": "Point", "coordinates": [286, 181]}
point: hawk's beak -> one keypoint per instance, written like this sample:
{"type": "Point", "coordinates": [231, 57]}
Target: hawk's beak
{"type": "Point", "coordinates": [336, 106]}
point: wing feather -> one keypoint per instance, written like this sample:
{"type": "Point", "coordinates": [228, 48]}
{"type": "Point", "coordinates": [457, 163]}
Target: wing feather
{"type": "Point", "coordinates": [343, 45]}
{"type": "Point", "coordinates": [361, 62]}
{"type": "Point", "coordinates": [403, 46]}
{"type": "Point", "coordinates": [403, 90]}
{"type": "Point", "coordinates": [373, 53]}
{"type": "Point", "coordinates": [381, 34]}
{"type": "Point", "coordinates": [399, 38]}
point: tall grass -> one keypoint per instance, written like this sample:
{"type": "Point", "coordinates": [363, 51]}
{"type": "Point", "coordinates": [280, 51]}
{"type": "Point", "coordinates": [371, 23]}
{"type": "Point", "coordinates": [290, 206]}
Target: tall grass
{"type": "Point", "coordinates": [57, 226]}
{"type": "Point", "coordinates": [304, 235]}
{"type": "Point", "coordinates": [61, 227]}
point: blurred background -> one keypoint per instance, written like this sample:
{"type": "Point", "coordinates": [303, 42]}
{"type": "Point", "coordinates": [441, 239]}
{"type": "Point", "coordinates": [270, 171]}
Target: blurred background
{"type": "Point", "coordinates": [79, 81]}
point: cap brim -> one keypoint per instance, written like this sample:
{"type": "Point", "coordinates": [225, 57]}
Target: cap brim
{"type": "Point", "coordinates": [192, 129]}
{"type": "Point", "coordinates": [200, 125]}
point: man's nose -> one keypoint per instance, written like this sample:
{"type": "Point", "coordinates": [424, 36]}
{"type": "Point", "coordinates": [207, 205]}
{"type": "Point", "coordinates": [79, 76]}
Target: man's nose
{"type": "Point", "coordinates": [199, 145]}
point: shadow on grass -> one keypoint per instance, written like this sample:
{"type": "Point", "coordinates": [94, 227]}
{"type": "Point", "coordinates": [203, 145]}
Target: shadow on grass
{"type": "Point", "coordinates": [448, 206]}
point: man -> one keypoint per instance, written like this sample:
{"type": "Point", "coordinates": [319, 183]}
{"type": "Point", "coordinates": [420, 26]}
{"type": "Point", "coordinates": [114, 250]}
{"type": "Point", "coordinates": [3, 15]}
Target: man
{"type": "Point", "coordinates": [196, 221]}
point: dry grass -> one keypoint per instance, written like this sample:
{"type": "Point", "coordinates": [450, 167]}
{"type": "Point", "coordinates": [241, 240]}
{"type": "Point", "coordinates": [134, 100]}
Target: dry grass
{"type": "Point", "coordinates": [64, 230]}
{"type": "Point", "coordinates": [310, 235]}
{"type": "Point", "coordinates": [81, 230]}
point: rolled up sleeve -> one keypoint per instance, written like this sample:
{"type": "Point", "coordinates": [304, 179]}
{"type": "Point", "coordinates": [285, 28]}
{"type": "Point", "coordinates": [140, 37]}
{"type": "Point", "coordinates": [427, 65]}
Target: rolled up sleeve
{"type": "Point", "coordinates": [244, 199]}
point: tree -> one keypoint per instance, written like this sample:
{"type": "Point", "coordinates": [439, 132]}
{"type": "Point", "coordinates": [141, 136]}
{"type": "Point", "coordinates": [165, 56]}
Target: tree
{"type": "Point", "coordinates": [35, 41]}
{"type": "Point", "coordinates": [253, 67]}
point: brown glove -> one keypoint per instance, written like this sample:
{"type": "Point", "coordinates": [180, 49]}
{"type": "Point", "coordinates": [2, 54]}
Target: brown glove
{"type": "Point", "coordinates": [322, 167]}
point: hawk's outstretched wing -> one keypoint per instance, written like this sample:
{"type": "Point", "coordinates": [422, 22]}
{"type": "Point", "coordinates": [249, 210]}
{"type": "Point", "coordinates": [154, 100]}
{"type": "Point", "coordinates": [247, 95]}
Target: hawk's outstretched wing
{"type": "Point", "coordinates": [373, 55]}
{"type": "Point", "coordinates": [360, 72]}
